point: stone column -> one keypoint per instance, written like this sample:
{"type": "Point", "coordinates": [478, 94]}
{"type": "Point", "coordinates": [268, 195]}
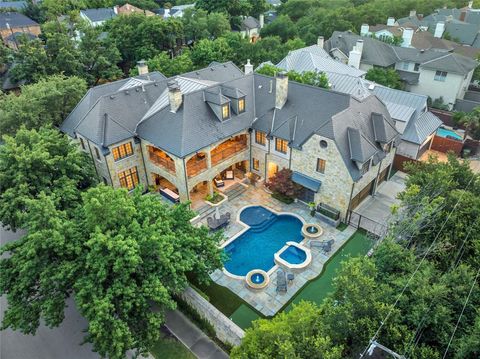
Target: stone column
{"type": "Point", "coordinates": [209, 158]}
{"type": "Point", "coordinates": [210, 188]}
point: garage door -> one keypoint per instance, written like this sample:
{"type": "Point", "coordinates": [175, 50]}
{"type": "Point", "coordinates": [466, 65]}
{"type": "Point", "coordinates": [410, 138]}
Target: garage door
{"type": "Point", "coordinates": [383, 175]}
{"type": "Point", "coordinates": [361, 195]}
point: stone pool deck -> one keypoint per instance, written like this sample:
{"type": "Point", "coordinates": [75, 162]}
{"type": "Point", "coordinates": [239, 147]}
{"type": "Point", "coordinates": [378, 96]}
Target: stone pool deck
{"type": "Point", "coordinates": [267, 301]}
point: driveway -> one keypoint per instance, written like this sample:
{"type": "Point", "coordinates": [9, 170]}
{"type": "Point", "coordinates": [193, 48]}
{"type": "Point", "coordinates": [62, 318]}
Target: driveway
{"type": "Point", "coordinates": [374, 212]}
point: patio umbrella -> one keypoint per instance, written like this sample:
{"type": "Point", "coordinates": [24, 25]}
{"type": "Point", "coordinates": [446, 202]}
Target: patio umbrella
{"type": "Point", "coordinates": [217, 213]}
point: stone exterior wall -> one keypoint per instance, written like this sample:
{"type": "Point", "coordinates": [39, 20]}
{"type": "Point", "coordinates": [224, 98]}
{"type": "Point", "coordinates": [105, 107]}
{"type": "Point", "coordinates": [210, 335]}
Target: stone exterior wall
{"type": "Point", "coordinates": [100, 165]}
{"type": "Point", "coordinates": [135, 160]}
{"type": "Point", "coordinates": [226, 330]}
{"type": "Point", "coordinates": [336, 181]}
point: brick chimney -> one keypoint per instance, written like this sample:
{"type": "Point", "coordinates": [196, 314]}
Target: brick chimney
{"type": "Point", "coordinates": [174, 95]}
{"type": "Point", "coordinates": [142, 67]}
{"type": "Point", "coordinates": [281, 89]}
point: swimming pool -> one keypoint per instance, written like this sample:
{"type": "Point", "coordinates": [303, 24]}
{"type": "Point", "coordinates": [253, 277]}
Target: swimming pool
{"type": "Point", "coordinates": [446, 133]}
{"type": "Point", "coordinates": [256, 247]}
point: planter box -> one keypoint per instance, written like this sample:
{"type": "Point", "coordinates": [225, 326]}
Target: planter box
{"type": "Point", "coordinates": [328, 220]}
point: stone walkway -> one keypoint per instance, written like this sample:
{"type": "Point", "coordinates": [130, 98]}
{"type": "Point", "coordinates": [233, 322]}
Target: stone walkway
{"type": "Point", "coordinates": [267, 300]}
{"type": "Point", "coordinates": [192, 337]}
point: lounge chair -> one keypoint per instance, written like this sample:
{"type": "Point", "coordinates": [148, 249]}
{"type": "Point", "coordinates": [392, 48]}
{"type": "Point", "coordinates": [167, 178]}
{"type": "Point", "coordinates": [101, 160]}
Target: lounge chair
{"type": "Point", "coordinates": [281, 281]}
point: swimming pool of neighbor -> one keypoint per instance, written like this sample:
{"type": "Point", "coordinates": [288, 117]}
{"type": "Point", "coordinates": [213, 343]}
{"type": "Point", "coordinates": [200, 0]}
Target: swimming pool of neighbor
{"type": "Point", "coordinates": [446, 133]}
{"type": "Point", "coordinates": [256, 247]}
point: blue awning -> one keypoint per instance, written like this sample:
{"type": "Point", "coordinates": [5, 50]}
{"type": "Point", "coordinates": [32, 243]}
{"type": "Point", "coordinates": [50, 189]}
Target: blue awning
{"type": "Point", "coordinates": [305, 181]}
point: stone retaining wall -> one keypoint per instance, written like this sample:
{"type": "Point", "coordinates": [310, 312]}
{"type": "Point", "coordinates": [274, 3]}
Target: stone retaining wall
{"type": "Point", "coordinates": [226, 330]}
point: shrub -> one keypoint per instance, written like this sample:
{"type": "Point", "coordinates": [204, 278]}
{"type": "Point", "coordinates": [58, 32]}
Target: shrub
{"type": "Point", "coordinates": [282, 198]}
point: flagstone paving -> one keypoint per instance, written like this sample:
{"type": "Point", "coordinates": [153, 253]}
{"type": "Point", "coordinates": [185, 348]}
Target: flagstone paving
{"type": "Point", "coordinates": [267, 300]}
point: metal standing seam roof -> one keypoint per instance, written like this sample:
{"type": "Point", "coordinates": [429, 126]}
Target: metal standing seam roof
{"type": "Point", "coordinates": [306, 181]}
{"type": "Point", "coordinates": [418, 130]}
{"type": "Point", "coordinates": [400, 112]}
{"type": "Point", "coordinates": [13, 4]}
{"type": "Point", "coordinates": [354, 86]}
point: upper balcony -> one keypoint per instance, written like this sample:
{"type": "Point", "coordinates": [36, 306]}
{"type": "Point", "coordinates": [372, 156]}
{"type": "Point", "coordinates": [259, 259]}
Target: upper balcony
{"type": "Point", "coordinates": [229, 148]}
{"type": "Point", "coordinates": [197, 164]}
{"type": "Point", "coordinates": [161, 159]}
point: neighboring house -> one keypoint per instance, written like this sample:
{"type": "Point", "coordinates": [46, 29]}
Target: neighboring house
{"type": "Point", "coordinates": [428, 72]}
{"type": "Point", "coordinates": [250, 27]}
{"type": "Point", "coordinates": [13, 24]}
{"type": "Point", "coordinates": [409, 111]}
{"type": "Point", "coordinates": [461, 25]}
{"type": "Point", "coordinates": [182, 134]}
{"type": "Point", "coordinates": [13, 5]}
{"type": "Point", "coordinates": [97, 17]}
{"type": "Point", "coordinates": [128, 9]}
{"type": "Point", "coordinates": [274, 3]}
{"type": "Point", "coordinates": [270, 16]}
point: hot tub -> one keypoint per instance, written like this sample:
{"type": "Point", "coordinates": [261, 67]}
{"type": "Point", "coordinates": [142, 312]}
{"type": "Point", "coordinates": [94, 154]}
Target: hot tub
{"type": "Point", "coordinates": [293, 256]}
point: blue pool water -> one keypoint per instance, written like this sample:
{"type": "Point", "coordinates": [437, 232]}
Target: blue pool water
{"type": "Point", "coordinates": [255, 248]}
{"type": "Point", "coordinates": [293, 255]}
{"type": "Point", "coordinates": [443, 132]}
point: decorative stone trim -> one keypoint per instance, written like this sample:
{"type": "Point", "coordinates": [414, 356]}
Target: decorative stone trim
{"type": "Point", "coordinates": [310, 235]}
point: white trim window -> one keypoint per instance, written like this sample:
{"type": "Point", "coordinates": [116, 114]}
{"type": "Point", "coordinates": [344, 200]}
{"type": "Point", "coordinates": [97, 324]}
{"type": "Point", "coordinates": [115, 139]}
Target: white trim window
{"type": "Point", "coordinates": [440, 76]}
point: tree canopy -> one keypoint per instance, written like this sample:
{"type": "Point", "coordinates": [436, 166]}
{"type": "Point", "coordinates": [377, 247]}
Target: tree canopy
{"type": "Point", "coordinates": [40, 162]}
{"type": "Point", "coordinates": [313, 78]}
{"type": "Point", "coordinates": [47, 102]}
{"type": "Point", "coordinates": [385, 77]}
{"type": "Point", "coordinates": [121, 256]}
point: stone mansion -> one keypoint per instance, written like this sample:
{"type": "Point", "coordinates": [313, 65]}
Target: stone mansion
{"type": "Point", "coordinates": [184, 134]}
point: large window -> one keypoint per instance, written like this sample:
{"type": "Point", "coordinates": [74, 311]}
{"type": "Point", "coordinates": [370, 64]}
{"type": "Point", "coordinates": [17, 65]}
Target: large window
{"type": "Point", "coordinates": [256, 164]}
{"type": "Point", "coordinates": [241, 105]}
{"type": "Point", "coordinates": [129, 178]}
{"type": "Point", "coordinates": [365, 167]}
{"type": "Point", "coordinates": [225, 111]}
{"type": "Point", "coordinates": [260, 138]}
{"type": "Point", "coordinates": [281, 145]}
{"type": "Point", "coordinates": [122, 151]}
{"type": "Point", "coordinates": [440, 76]}
{"type": "Point", "coordinates": [417, 67]}
{"type": "Point", "coordinates": [321, 165]}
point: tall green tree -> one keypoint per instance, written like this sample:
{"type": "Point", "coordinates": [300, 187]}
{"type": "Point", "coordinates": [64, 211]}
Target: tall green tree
{"type": "Point", "coordinates": [205, 51]}
{"type": "Point", "coordinates": [385, 77]}
{"type": "Point", "coordinates": [282, 27]}
{"type": "Point", "coordinates": [35, 162]}
{"type": "Point", "coordinates": [121, 256]}
{"type": "Point", "coordinates": [171, 67]}
{"type": "Point", "coordinates": [471, 122]}
{"type": "Point", "coordinates": [47, 102]}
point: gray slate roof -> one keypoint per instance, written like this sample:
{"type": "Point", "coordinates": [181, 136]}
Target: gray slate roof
{"type": "Point", "coordinates": [13, 4]}
{"type": "Point", "coordinates": [101, 14]}
{"type": "Point", "coordinates": [15, 19]}
{"type": "Point", "coordinates": [250, 23]}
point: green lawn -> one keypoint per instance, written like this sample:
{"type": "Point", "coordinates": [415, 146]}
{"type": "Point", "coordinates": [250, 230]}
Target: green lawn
{"type": "Point", "coordinates": [168, 347]}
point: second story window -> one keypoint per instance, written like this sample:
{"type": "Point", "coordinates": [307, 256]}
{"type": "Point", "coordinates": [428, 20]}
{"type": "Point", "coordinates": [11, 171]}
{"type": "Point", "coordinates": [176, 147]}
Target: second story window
{"type": "Point", "coordinates": [82, 143]}
{"type": "Point", "coordinates": [365, 167]}
{"type": "Point", "coordinates": [405, 65]}
{"type": "Point", "coordinates": [260, 138]}
{"type": "Point", "coordinates": [122, 151]}
{"type": "Point", "coordinates": [417, 67]}
{"type": "Point", "coordinates": [241, 105]}
{"type": "Point", "coordinates": [97, 154]}
{"type": "Point", "coordinates": [440, 76]}
{"type": "Point", "coordinates": [281, 145]}
{"type": "Point", "coordinates": [129, 178]}
{"type": "Point", "coordinates": [225, 111]}
{"type": "Point", "coordinates": [321, 165]}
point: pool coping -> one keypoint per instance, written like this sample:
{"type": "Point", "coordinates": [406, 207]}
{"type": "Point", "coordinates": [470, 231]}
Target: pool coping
{"type": "Point", "coordinates": [247, 227]}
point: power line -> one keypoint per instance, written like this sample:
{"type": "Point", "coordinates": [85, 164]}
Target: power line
{"type": "Point", "coordinates": [382, 323]}
{"type": "Point", "coordinates": [461, 314]}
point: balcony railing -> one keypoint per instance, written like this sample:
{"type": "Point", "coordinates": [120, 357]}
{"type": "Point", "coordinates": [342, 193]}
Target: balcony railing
{"type": "Point", "coordinates": [161, 161]}
{"type": "Point", "coordinates": [194, 167]}
{"type": "Point", "coordinates": [225, 151]}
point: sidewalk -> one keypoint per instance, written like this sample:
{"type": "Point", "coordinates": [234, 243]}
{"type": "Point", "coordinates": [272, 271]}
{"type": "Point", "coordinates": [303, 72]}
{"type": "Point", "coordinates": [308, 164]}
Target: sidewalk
{"type": "Point", "coordinates": [192, 337]}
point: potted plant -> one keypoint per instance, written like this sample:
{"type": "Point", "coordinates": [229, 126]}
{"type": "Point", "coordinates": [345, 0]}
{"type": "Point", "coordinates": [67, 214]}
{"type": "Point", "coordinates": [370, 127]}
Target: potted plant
{"type": "Point", "coordinates": [311, 205]}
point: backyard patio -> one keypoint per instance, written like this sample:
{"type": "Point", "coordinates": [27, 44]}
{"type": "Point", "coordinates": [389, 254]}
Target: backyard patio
{"type": "Point", "coordinates": [268, 301]}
